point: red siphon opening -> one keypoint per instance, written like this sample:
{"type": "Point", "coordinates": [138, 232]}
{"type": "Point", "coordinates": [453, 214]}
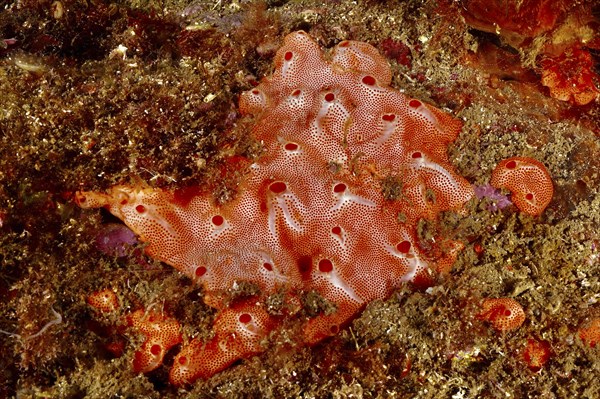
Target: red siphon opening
{"type": "Point", "coordinates": [245, 318]}
{"type": "Point", "coordinates": [325, 266]}
{"type": "Point", "coordinates": [155, 349]}
{"type": "Point", "coordinates": [218, 220]}
{"type": "Point", "coordinates": [368, 80]}
{"type": "Point", "coordinates": [403, 247]}
{"type": "Point", "coordinates": [339, 188]}
{"type": "Point", "coordinates": [277, 187]}
{"type": "Point", "coordinates": [414, 103]}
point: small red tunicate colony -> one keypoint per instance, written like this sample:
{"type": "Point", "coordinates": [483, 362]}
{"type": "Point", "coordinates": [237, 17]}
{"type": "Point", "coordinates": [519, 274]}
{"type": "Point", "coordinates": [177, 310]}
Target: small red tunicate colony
{"type": "Point", "coordinates": [104, 300]}
{"type": "Point", "coordinates": [161, 334]}
{"type": "Point", "coordinates": [529, 182]}
{"type": "Point", "coordinates": [536, 354]}
{"type": "Point", "coordinates": [504, 314]}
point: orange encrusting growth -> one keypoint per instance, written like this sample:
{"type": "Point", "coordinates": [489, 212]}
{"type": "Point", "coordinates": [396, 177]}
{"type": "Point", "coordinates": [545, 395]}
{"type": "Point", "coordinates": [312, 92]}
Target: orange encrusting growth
{"type": "Point", "coordinates": [591, 333]}
{"type": "Point", "coordinates": [571, 77]}
{"type": "Point", "coordinates": [517, 19]}
{"type": "Point", "coordinates": [310, 215]}
{"type": "Point", "coordinates": [536, 354]}
{"type": "Point", "coordinates": [504, 314]}
{"type": "Point", "coordinates": [528, 180]}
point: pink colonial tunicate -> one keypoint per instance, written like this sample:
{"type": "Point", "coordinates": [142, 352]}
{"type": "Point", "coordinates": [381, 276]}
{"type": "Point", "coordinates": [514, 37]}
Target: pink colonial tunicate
{"type": "Point", "coordinates": [311, 215]}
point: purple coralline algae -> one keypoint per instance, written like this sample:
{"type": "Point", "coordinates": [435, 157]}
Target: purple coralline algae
{"type": "Point", "coordinates": [497, 199]}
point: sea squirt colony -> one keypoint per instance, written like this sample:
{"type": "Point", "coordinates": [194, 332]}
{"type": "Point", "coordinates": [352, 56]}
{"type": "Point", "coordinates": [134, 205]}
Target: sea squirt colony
{"type": "Point", "coordinates": [311, 214]}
